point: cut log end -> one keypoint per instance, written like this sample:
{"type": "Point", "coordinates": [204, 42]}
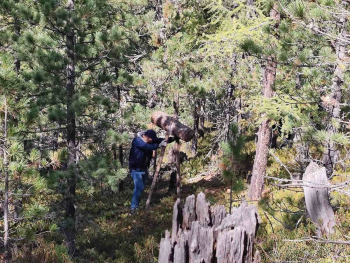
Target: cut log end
{"type": "Point", "coordinates": [168, 123]}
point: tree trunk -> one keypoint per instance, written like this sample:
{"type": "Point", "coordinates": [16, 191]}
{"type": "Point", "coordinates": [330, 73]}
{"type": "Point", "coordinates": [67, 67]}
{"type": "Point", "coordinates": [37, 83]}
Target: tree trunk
{"type": "Point", "coordinates": [262, 149]}
{"type": "Point", "coordinates": [330, 155]}
{"type": "Point", "coordinates": [17, 29]}
{"type": "Point", "coordinates": [230, 100]}
{"type": "Point", "coordinates": [302, 153]}
{"type": "Point", "coordinates": [121, 161]}
{"type": "Point", "coordinates": [120, 148]}
{"type": "Point", "coordinates": [71, 135]}
{"type": "Point", "coordinates": [178, 171]}
{"type": "Point", "coordinates": [195, 127]}
{"type": "Point", "coordinates": [176, 105]}
{"type": "Point", "coordinates": [176, 150]}
{"type": "Point", "coordinates": [202, 119]}
{"type": "Point", "coordinates": [231, 185]}
{"type": "Point", "coordinates": [6, 197]}
{"type": "Point", "coordinates": [228, 110]}
{"type": "Point", "coordinates": [18, 203]}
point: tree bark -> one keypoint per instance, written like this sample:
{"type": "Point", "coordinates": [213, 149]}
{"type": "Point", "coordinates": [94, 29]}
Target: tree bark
{"type": "Point", "coordinates": [6, 195]}
{"type": "Point", "coordinates": [202, 119]}
{"type": "Point", "coordinates": [70, 231]}
{"type": "Point", "coordinates": [195, 127]}
{"type": "Point", "coordinates": [120, 147]}
{"type": "Point", "coordinates": [172, 125]}
{"type": "Point", "coordinates": [121, 161]}
{"type": "Point", "coordinates": [330, 155]}
{"type": "Point", "coordinates": [18, 203]}
{"type": "Point", "coordinates": [17, 29]}
{"type": "Point", "coordinates": [176, 151]}
{"type": "Point", "coordinates": [178, 171]}
{"type": "Point", "coordinates": [228, 110]}
{"type": "Point", "coordinates": [262, 149]}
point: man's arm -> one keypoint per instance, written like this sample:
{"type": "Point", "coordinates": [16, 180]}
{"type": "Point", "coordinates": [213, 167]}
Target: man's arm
{"type": "Point", "coordinates": [139, 143]}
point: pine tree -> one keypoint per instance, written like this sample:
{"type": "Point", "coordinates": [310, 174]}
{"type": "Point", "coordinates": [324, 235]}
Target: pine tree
{"type": "Point", "coordinates": [66, 56]}
{"type": "Point", "coordinates": [264, 133]}
{"type": "Point", "coordinates": [331, 153]}
{"type": "Point", "coordinates": [232, 158]}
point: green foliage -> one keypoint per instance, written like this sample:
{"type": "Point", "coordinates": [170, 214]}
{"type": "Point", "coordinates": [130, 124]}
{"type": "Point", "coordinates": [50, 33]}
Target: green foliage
{"type": "Point", "coordinates": [104, 169]}
{"type": "Point", "coordinates": [134, 57]}
{"type": "Point", "coordinates": [232, 157]}
{"type": "Point", "coordinates": [248, 45]}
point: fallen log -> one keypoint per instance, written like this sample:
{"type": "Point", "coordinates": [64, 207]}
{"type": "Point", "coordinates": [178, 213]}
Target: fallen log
{"type": "Point", "coordinates": [172, 125]}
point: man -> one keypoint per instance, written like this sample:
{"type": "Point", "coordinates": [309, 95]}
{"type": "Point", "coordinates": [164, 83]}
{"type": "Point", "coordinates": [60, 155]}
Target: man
{"type": "Point", "coordinates": [139, 159]}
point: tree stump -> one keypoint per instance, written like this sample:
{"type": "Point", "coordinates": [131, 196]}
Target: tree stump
{"type": "Point", "coordinates": [165, 248]}
{"type": "Point", "coordinates": [204, 234]}
{"type": "Point", "coordinates": [318, 206]}
{"type": "Point", "coordinates": [188, 212]}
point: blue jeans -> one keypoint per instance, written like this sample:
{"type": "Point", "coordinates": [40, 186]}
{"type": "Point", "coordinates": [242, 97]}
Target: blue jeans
{"type": "Point", "coordinates": [140, 179]}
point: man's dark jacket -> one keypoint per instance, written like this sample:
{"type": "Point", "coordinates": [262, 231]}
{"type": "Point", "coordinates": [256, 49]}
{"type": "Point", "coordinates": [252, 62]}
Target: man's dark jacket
{"type": "Point", "coordinates": [141, 153]}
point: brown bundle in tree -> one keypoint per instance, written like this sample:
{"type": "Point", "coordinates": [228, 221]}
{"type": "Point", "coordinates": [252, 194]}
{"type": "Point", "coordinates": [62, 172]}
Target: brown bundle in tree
{"type": "Point", "coordinates": [168, 123]}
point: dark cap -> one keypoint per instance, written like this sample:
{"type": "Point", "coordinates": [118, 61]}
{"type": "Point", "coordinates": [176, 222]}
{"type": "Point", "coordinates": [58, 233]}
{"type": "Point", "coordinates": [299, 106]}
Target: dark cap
{"type": "Point", "coordinates": [151, 134]}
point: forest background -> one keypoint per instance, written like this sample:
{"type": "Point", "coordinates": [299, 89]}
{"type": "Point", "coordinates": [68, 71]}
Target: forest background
{"type": "Point", "coordinates": [264, 85]}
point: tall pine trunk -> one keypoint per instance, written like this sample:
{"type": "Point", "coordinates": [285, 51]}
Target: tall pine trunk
{"type": "Point", "coordinates": [120, 147]}
{"type": "Point", "coordinates": [71, 135]}
{"type": "Point", "coordinates": [6, 197]}
{"type": "Point", "coordinates": [331, 153]}
{"type": "Point", "coordinates": [18, 202]}
{"type": "Point", "coordinates": [176, 105]}
{"type": "Point", "coordinates": [262, 148]}
{"type": "Point", "coordinates": [121, 161]}
{"type": "Point", "coordinates": [202, 118]}
{"type": "Point", "coordinates": [195, 126]}
{"type": "Point", "coordinates": [229, 110]}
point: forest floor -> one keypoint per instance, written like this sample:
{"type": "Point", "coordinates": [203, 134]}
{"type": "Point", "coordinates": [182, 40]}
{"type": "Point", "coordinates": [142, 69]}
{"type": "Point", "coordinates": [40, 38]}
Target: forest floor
{"type": "Point", "coordinates": [108, 233]}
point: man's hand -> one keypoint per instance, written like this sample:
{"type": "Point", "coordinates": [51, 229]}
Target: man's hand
{"type": "Point", "coordinates": [163, 143]}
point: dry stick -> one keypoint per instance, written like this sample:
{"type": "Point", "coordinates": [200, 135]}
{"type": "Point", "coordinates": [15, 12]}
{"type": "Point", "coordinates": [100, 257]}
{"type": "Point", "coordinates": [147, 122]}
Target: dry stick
{"type": "Point", "coordinates": [318, 240]}
{"type": "Point", "coordinates": [155, 162]}
{"type": "Point", "coordinates": [157, 171]}
{"type": "Point", "coordinates": [285, 167]}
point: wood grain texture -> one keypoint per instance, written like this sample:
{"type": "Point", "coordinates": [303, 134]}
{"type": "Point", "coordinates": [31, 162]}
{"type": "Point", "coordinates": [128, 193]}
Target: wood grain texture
{"type": "Point", "coordinates": [172, 125]}
{"type": "Point", "coordinates": [204, 234]}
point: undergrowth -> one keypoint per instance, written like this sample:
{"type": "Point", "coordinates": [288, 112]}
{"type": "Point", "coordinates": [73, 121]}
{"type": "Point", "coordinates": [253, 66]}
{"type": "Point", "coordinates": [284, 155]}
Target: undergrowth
{"type": "Point", "coordinates": [107, 233]}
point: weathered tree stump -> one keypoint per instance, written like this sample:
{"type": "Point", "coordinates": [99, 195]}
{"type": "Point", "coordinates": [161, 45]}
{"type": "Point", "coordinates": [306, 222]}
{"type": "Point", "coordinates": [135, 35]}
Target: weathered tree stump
{"type": "Point", "coordinates": [188, 212]}
{"type": "Point", "coordinates": [165, 248]}
{"type": "Point", "coordinates": [204, 234]}
{"type": "Point", "coordinates": [318, 206]}
{"type": "Point", "coordinates": [168, 123]}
